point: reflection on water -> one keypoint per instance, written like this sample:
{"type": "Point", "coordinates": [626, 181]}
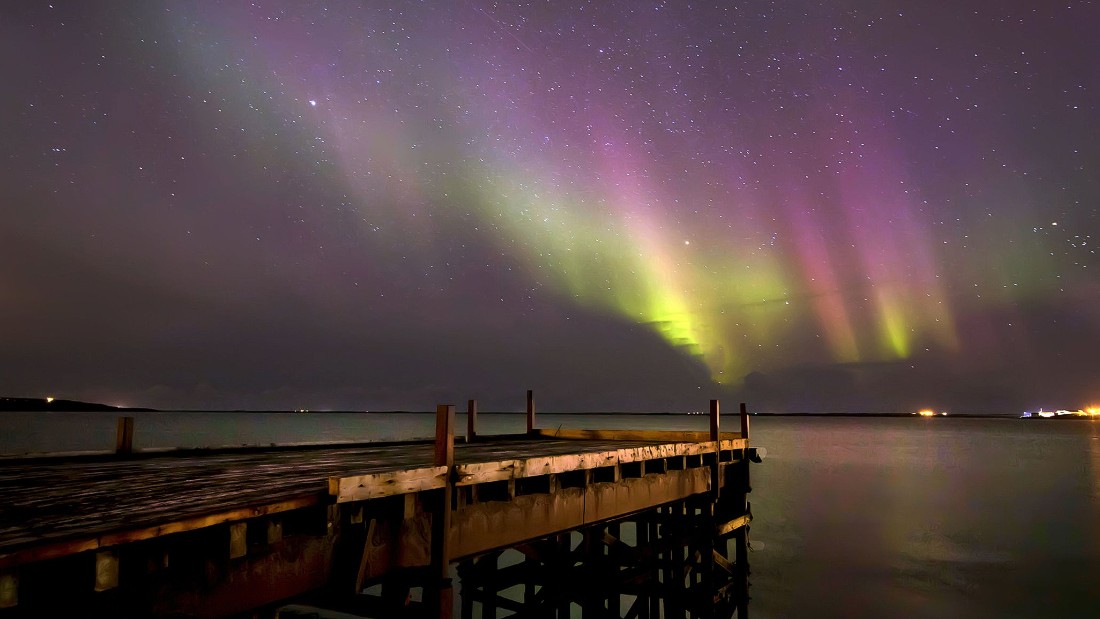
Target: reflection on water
{"type": "Point", "coordinates": [854, 517]}
{"type": "Point", "coordinates": [926, 518]}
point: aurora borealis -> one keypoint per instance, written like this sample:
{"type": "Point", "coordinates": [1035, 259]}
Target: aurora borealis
{"type": "Point", "coordinates": [625, 205]}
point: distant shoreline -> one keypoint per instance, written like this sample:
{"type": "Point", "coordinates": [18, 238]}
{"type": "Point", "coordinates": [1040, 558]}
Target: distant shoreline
{"type": "Point", "coordinates": [45, 405]}
{"type": "Point", "coordinates": [34, 405]}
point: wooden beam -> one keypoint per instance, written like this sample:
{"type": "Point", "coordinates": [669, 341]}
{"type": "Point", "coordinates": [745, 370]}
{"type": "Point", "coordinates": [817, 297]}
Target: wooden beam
{"type": "Point", "coordinates": [365, 558]}
{"type": "Point", "coordinates": [484, 527]}
{"type": "Point", "coordinates": [106, 570]}
{"type": "Point", "coordinates": [721, 561]}
{"type": "Point", "coordinates": [238, 540]}
{"type": "Point", "coordinates": [274, 531]}
{"type": "Point", "coordinates": [482, 472]}
{"type": "Point", "coordinates": [375, 485]}
{"type": "Point", "coordinates": [733, 525]}
{"type": "Point", "coordinates": [499, 524]}
{"type": "Point", "coordinates": [714, 418]}
{"type": "Point", "coordinates": [9, 589]}
{"type": "Point", "coordinates": [744, 422]}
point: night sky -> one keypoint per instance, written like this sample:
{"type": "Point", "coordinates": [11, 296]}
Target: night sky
{"type": "Point", "coordinates": [806, 205]}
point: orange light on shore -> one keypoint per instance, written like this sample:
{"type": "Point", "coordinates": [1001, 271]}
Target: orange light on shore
{"type": "Point", "coordinates": [48, 400]}
{"type": "Point", "coordinates": [927, 413]}
{"type": "Point", "coordinates": [1093, 410]}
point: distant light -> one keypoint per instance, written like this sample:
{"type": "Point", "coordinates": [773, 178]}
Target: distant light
{"type": "Point", "coordinates": [927, 413]}
{"type": "Point", "coordinates": [313, 103]}
{"type": "Point", "coordinates": [49, 399]}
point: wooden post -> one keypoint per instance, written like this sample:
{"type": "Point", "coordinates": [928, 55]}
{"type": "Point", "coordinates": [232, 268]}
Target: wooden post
{"type": "Point", "coordinates": [441, 600]}
{"type": "Point", "coordinates": [238, 540]}
{"type": "Point", "coordinates": [274, 531]}
{"type": "Point", "coordinates": [9, 589]}
{"type": "Point", "coordinates": [530, 411]}
{"type": "Point", "coordinates": [124, 437]}
{"type": "Point", "coordinates": [741, 538]}
{"type": "Point", "coordinates": [471, 420]}
{"type": "Point", "coordinates": [714, 435]}
{"type": "Point", "coordinates": [445, 435]}
{"type": "Point", "coordinates": [106, 570]}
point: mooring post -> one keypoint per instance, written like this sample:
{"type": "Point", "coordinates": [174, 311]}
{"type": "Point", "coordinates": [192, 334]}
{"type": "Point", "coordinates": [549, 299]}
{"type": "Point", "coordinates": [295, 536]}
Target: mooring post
{"type": "Point", "coordinates": [741, 537]}
{"type": "Point", "coordinates": [471, 420]}
{"type": "Point", "coordinates": [442, 600]}
{"type": "Point", "coordinates": [714, 436]}
{"type": "Point", "coordinates": [124, 436]}
{"type": "Point", "coordinates": [445, 435]}
{"type": "Point", "coordinates": [709, 512]}
{"type": "Point", "coordinates": [530, 411]}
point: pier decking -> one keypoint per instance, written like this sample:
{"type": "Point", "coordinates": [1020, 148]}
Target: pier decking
{"type": "Point", "coordinates": [226, 532]}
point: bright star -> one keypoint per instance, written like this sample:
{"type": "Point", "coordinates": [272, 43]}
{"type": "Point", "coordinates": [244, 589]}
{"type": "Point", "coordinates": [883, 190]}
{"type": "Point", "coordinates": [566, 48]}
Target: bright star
{"type": "Point", "coordinates": [313, 103]}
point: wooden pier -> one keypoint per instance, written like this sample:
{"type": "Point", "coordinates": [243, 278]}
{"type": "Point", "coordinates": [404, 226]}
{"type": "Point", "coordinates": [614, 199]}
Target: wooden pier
{"type": "Point", "coordinates": [551, 523]}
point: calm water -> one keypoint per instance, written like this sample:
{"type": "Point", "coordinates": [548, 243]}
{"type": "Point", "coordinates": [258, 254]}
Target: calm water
{"type": "Point", "coordinates": [854, 517]}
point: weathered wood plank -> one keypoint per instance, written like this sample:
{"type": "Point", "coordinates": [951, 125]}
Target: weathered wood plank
{"type": "Point", "coordinates": [483, 472]}
{"type": "Point", "coordinates": [484, 526]}
{"type": "Point", "coordinates": [374, 485]}
{"type": "Point", "coordinates": [733, 525]}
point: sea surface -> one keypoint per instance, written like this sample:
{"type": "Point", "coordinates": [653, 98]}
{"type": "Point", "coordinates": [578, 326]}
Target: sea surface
{"type": "Point", "coordinates": [854, 517]}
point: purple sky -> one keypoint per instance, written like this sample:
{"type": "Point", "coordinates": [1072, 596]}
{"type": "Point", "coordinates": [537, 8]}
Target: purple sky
{"type": "Point", "coordinates": [842, 206]}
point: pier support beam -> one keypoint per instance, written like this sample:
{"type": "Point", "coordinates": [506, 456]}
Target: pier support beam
{"type": "Point", "coordinates": [106, 570]}
{"type": "Point", "coordinates": [9, 589]}
{"type": "Point", "coordinates": [238, 540]}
